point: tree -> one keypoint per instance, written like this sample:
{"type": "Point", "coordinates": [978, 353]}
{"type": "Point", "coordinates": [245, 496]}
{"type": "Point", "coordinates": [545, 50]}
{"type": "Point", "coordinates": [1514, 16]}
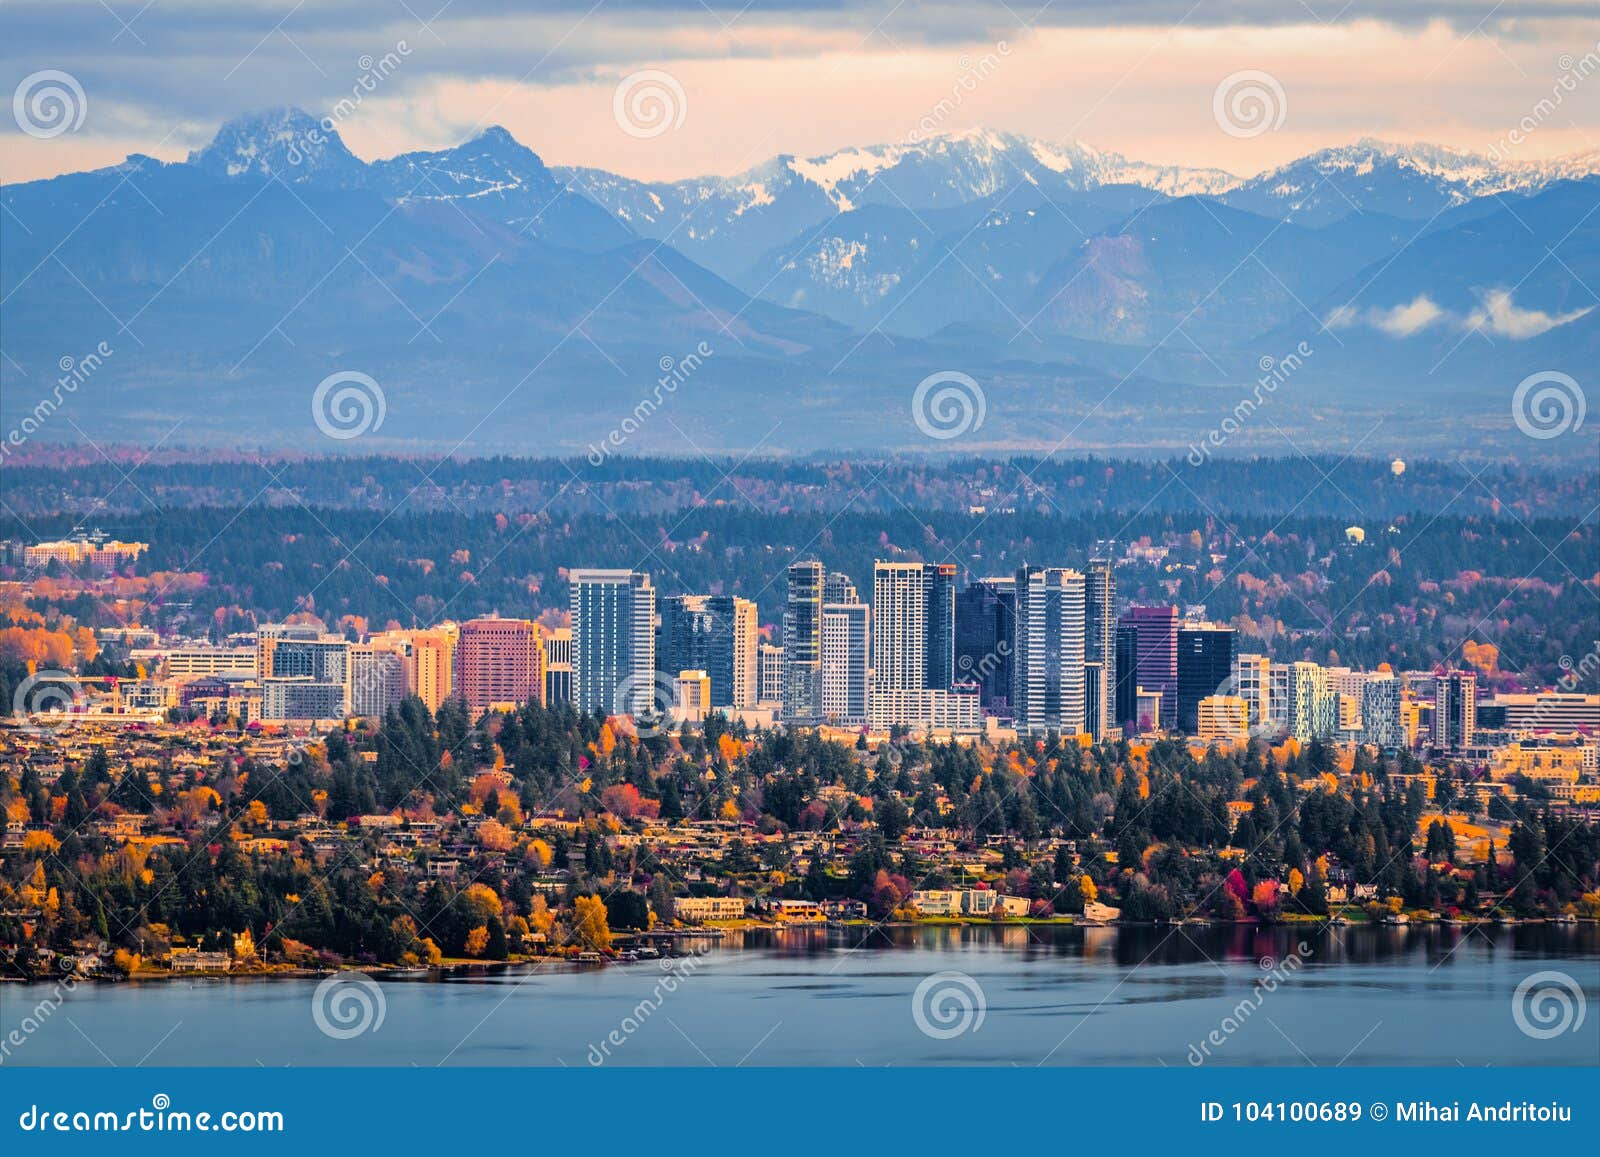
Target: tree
{"type": "Point", "coordinates": [477, 940]}
{"type": "Point", "coordinates": [893, 818]}
{"type": "Point", "coordinates": [540, 918]}
{"type": "Point", "coordinates": [589, 924]}
{"type": "Point", "coordinates": [1265, 898]}
{"type": "Point", "coordinates": [661, 899]}
{"type": "Point", "coordinates": [627, 909]}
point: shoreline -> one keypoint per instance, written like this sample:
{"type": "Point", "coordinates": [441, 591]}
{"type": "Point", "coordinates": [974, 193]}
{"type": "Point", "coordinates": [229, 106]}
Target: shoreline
{"type": "Point", "coordinates": [403, 973]}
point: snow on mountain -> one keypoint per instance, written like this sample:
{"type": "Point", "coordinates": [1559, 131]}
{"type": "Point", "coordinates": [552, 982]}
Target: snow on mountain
{"type": "Point", "coordinates": [1411, 180]}
{"type": "Point", "coordinates": [286, 143]}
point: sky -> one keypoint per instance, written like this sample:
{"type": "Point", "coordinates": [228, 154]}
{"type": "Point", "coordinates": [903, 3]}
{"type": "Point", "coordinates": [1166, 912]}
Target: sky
{"type": "Point", "coordinates": [739, 83]}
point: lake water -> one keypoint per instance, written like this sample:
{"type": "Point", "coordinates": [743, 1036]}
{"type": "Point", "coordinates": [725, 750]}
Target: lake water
{"type": "Point", "coordinates": [902, 996]}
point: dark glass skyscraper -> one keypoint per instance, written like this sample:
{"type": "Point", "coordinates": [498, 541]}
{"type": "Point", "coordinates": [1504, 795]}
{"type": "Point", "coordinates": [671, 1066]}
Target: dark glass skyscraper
{"type": "Point", "coordinates": [1100, 637]}
{"type": "Point", "coordinates": [1205, 665]}
{"type": "Point", "coordinates": [985, 615]}
{"type": "Point", "coordinates": [703, 633]}
{"type": "Point", "coordinates": [802, 643]}
{"type": "Point", "coordinates": [941, 625]}
{"type": "Point", "coordinates": [1125, 699]}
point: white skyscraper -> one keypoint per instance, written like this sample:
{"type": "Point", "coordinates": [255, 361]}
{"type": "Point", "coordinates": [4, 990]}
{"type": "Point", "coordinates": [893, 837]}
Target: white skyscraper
{"type": "Point", "coordinates": [899, 626]}
{"type": "Point", "coordinates": [1252, 682]}
{"type": "Point", "coordinates": [1313, 704]}
{"type": "Point", "coordinates": [1380, 711]}
{"type": "Point", "coordinates": [846, 665]}
{"type": "Point", "coordinates": [1048, 661]}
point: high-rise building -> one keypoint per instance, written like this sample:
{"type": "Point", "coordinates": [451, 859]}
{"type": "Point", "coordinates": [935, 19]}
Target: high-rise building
{"type": "Point", "coordinates": [1380, 711]}
{"type": "Point", "coordinates": [377, 680]}
{"type": "Point", "coordinates": [1280, 693]}
{"type": "Point", "coordinates": [431, 671]}
{"type": "Point", "coordinates": [745, 627]}
{"type": "Point", "coordinates": [558, 666]}
{"type": "Point", "coordinates": [802, 643]}
{"type": "Point", "coordinates": [1125, 699]}
{"type": "Point", "coordinates": [268, 635]}
{"type": "Point", "coordinates": [769, 676]}
{"type": "Point", "coordinates": [1252, 682]}
{"type": "Point", "coordinates": [499, 661]}
{"type": "Point", "coordinates": [1349, 688]}
{"type": "Point", "coordinates": [1455, 710]}
{"type": "Point", "coordinates": [1205, 666]}
{"type": "Point", "coordinates": [715, 634]}
{"type": "Point", "coordinates": [913, 625]}
{"type": "Point", "coordinates": [1094, 694]}
{"type": "Point", "coordinates": [613, 639]}
{"type": "Point", "coordinates": [985, 640]}
{"type": "Point", "coordinates": [1047, 679]}
{"type": "Point", "coordinates": [306, 656]}
{"type": "Point", "coordinates": [839, 588]}
{"type": "Point", "coordinates": [1313, 706]}
{"type": "Point", "coordinates": [941, 655]}
{"type": "Point", "coordinates": [1100, 636]}
{"type": "Point", "coordinates": [1156, 654]}
{"type": "Point", "coordinates": [429, 658]}
{"type": "Point", "coordinates": [846, 663]}
{"type": "Point", "coordinates": [683, 636]}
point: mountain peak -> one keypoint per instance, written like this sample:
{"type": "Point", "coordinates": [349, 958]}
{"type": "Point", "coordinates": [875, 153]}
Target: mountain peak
{"type": "Point", "coordinates": [287, 143]}
{"type": "Point", "coordinates": [496, 135]}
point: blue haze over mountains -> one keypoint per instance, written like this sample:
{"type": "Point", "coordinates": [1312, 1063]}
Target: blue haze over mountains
{"type": "Point", "coordinates": [505, 304]}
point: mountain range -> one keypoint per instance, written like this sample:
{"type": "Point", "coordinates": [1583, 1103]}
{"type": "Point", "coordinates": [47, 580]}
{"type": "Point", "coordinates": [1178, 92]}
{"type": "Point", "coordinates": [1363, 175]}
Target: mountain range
{"type": "Point", "coordinates": [502, 301]}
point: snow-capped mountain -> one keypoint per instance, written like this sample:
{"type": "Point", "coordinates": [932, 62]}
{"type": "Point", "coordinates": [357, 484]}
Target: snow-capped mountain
{"type": "Point", "coordinates": [495, 175]}
{"type": "Point", "coordinates": [274, 252]}
{"type": "Point", "coordinates": [285, 143]}
{"type": "Point", "coordinates": [729, 223]}
{"type": "Point", "coordinates": [1416, 181]}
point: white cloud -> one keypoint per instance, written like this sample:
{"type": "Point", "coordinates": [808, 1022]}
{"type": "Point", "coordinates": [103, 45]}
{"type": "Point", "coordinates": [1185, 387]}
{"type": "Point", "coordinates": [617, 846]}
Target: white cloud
{"type": "Point", "coordinates": [1405, 320]}
{"type": "Point", "coordinates": [1500, 317]}
{"type": "Point", "coordinates": [1497, 315]}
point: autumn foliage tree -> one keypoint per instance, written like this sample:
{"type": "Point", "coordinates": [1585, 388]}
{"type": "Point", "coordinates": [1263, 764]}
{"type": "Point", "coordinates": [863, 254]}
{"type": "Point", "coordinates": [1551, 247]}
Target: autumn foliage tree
{"type": "Point", "coordinates": [590, 928]}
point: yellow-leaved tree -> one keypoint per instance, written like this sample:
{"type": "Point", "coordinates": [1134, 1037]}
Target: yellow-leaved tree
{"type": "Point", "coordinates": [589, 923]}
{"type": "Point", "coordinates": [540, 918]}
